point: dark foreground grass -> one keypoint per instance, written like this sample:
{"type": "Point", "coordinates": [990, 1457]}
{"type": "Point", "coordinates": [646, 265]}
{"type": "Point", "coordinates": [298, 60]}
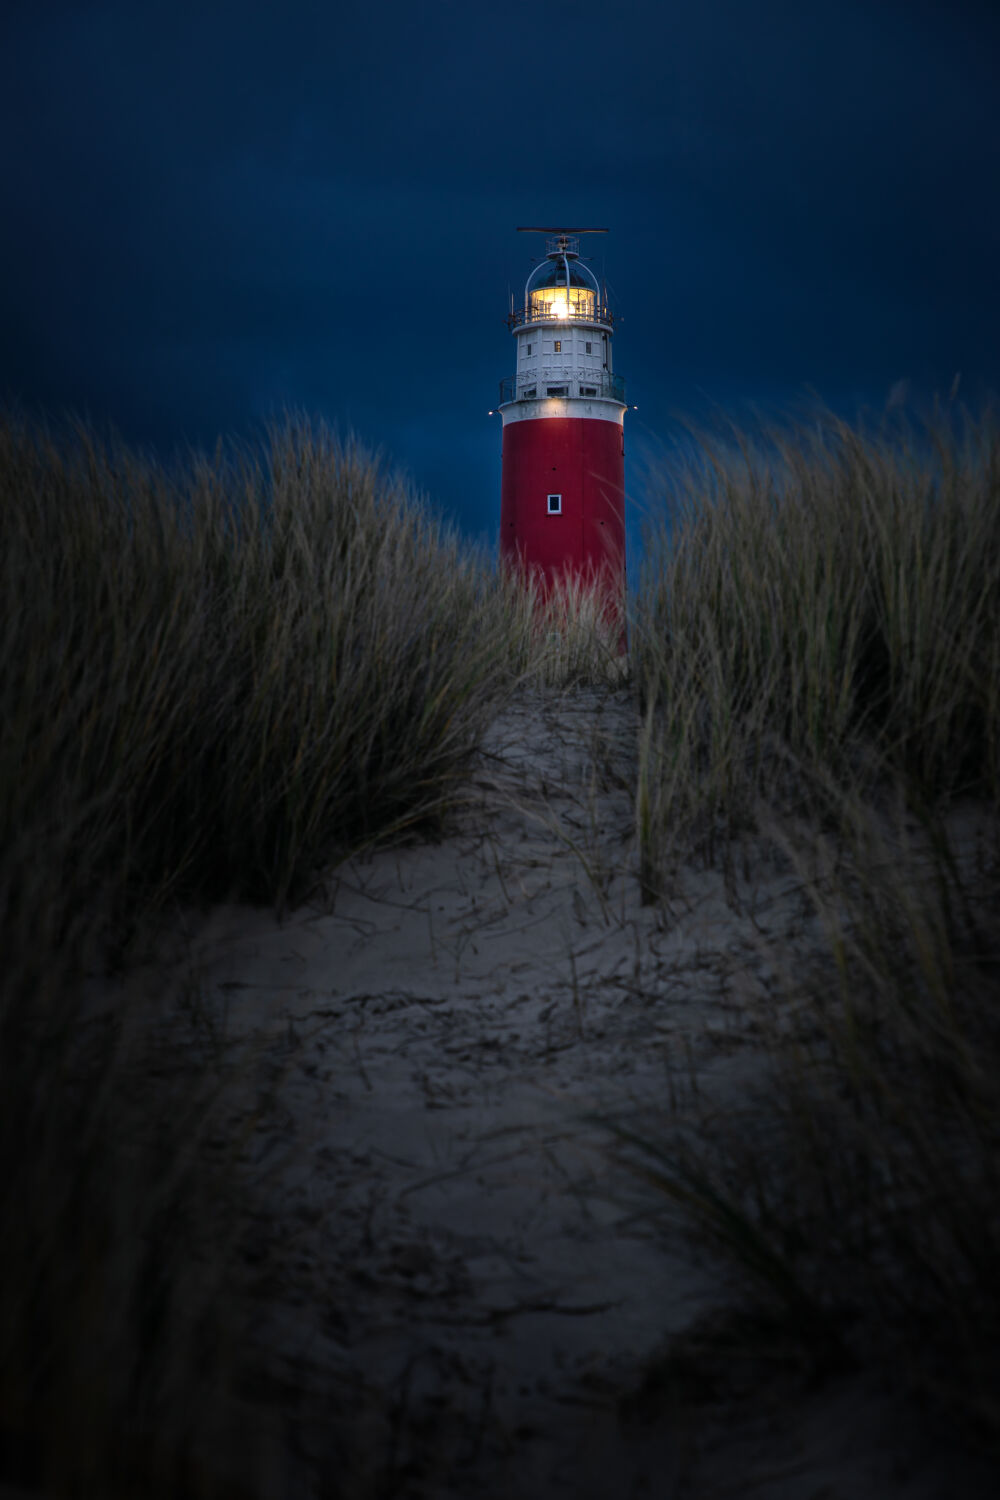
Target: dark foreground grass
{"type": "Point", "coordinates": [215, 682]}
{"type": "Point", "coordinates": [219, 681]}
{"type": "Point", "coordinates": [826, 600]}
{"type": "Point", "coordinates": [818, 664]}
{"type": "Point", "coordinates": [122, 1349]}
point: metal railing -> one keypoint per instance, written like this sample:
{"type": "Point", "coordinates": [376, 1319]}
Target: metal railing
{"type": "Point", "coordinates": [602, 315]}
{"type": "Point", "coordinates": [531, 388]}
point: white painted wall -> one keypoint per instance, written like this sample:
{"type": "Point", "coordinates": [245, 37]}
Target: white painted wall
{"type": "Point", "coordinates": [570, 365]}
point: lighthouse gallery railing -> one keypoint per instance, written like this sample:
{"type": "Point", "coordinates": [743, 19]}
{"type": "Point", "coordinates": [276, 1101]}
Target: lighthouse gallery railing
{"type": "Point", "coordinates": [601, 316]}
{"type": "Point", "coordinates": [527, 388]}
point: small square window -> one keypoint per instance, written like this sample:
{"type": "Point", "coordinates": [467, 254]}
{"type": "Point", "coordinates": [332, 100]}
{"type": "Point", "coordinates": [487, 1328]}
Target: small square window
{"type": "Point", "coordinates": [589, 347]}
{"type": "Point", "coordinates": [558, 346]}
{"type": "Point", "coordinates": [555, 505]}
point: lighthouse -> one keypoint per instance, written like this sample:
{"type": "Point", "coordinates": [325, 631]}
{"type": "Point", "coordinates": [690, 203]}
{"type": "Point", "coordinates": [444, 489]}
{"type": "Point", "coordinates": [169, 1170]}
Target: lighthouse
{"type": "Point", "coordinates": [562, 505]}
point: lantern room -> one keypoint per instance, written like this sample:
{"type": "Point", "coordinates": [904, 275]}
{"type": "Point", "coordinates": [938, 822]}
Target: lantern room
{"type": "Point", "coordinates": [561, 288]}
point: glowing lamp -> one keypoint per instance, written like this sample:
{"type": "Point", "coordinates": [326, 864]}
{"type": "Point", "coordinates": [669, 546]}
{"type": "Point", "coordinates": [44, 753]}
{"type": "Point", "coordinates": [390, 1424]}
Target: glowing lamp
{"type": "Point", "coordinates": [563, 289]}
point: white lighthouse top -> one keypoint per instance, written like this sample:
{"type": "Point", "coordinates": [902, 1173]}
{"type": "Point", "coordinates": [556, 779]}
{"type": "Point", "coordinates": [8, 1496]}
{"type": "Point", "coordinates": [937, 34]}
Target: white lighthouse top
{"type": "Point", "coordinates": [563, 334]}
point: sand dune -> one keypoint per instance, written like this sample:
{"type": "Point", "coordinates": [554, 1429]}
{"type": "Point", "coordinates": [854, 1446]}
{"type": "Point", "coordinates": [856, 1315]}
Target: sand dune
{"type": "Point", "coordinates": [468, 1292]}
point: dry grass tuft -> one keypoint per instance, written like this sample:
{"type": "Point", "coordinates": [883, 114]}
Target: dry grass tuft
{"type": "Point", "coordinates": [216, 682]}
{"type": "Point", "coordinates": [818, 660]}
{"type": "Point", "coordinates": [821, 600]}
{"type": "Point", "coordinates": [225, 678]}
{"type": "Point", "coordinates": [569, 634]}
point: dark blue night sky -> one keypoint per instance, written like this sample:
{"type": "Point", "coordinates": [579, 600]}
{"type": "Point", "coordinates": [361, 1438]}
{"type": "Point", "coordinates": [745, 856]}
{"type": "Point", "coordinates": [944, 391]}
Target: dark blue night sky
{"type": "Point", "coordinates": [211, 212]}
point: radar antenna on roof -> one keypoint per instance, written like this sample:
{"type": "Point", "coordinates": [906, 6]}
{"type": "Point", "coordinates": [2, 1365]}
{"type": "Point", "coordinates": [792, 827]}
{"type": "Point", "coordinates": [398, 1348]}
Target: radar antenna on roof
{"type": "Point", "coordinates": [566, 241]}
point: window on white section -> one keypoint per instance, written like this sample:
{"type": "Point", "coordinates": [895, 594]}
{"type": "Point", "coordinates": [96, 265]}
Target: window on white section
{"type": "Point", "coordinates": [555, 505]}
{"type": "Point", "coordinates": [528, 347]}
{"type": "Point", "coordinates": [588, 346]}
{"type": "Point", "coordinates": [557, 346]}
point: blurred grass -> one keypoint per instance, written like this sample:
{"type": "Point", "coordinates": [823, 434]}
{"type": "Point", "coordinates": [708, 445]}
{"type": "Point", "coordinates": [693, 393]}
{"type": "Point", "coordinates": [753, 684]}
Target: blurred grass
{"type": "Point", "coordinates": [568, 633]}
{"type": "Point", "coordinates": [817, 661]}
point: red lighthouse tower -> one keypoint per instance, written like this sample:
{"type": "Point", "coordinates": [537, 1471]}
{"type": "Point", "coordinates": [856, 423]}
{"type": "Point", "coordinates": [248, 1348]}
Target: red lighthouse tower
{"type": "Point", "coordinates": [562, 506]}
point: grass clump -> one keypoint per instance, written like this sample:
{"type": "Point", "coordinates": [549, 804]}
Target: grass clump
{"type": "Point", "coordinates": [121, 1344]}
{"type": "Point", "coordinates": [216, 680]}
{"type": "Point", "coordinates": [567, 633]}
{"type": "Point", "coordinates": [227, 677]}
{"type": "Point", "coordinates": [817, 659]}
{"type": "Point", "coordinates": [822, 599]}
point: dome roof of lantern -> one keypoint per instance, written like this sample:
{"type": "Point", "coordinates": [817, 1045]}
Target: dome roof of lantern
{"type": "Point", "coordinates": [561, 269]}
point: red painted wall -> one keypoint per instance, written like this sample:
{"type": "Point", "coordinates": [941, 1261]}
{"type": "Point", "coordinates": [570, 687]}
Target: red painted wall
{"type": "Point", "coordinates": [583, 460]}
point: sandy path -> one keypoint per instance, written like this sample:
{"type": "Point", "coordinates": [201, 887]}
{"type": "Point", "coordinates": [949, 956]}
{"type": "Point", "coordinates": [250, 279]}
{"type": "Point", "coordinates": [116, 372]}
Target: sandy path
{"type": "Point", "coordinates": [467, 1289]}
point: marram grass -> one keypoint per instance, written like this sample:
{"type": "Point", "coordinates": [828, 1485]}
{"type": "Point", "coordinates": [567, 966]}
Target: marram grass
{"type": "Point", "coordinates": [229, 677]}
{"type": "Point", "coordinates": [215, 682]}
{"type": "Point", "coordinates": [818, 666]}
{"type": "Point", "coordinates": [823, 598]}
{"type": "Point", "coordinates": [219, 681]}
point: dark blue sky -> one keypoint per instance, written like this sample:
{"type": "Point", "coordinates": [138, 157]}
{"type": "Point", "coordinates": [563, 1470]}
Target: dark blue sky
{"type": "Point", "coordinates": [212, 211]}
